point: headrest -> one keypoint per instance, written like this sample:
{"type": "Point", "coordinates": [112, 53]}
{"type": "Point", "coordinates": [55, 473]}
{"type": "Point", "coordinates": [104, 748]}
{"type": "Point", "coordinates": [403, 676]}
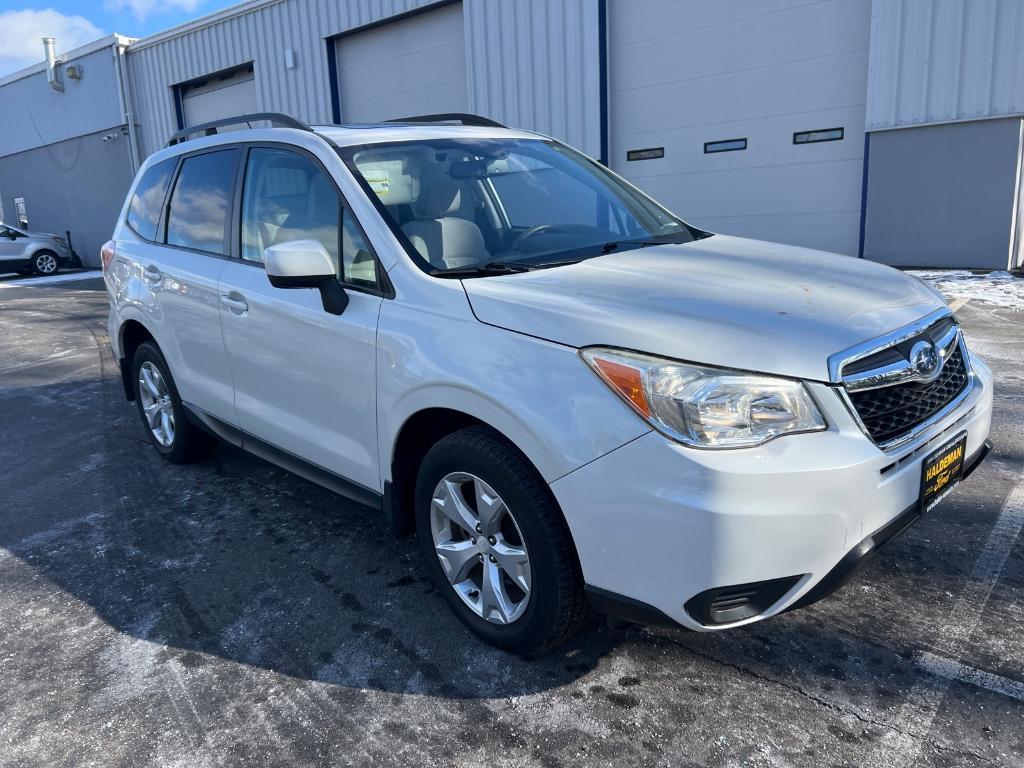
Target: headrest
{"type": "Point", "coordinates": [441, 197]}
{"type": "Point", "coordinates": [322, 202]}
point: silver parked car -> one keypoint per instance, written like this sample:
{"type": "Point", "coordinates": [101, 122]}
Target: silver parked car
{"type": "Point", "coordinates": [38, 252]}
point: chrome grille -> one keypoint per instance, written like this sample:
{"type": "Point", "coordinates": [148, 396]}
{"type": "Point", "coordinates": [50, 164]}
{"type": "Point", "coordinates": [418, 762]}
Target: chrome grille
{"type": "Point", "coordinates": [899, 384]}
{"type": "Point", "coordinates": [890, 412]}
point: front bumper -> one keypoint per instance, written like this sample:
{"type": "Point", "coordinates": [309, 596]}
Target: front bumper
{"type": "Point", "coordinates": [657, 524]}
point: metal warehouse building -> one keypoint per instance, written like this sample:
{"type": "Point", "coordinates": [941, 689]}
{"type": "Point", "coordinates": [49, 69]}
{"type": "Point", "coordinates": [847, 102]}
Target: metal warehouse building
{"type": "Point", "coordinates": [888, 129]}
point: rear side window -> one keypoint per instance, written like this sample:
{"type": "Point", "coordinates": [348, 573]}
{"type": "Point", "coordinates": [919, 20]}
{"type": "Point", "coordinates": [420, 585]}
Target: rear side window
{"type": "Point", "coordinates": [148, 200]}
{"type": "Point", "coordinates": [198, 216]}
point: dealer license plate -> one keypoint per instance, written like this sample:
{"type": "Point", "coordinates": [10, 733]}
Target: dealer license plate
{"type": "Point", "coordinates": [941, 471]}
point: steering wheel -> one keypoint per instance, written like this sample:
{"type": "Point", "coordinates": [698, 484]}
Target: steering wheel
{"type": "Point", "coordinates": [562, 229]}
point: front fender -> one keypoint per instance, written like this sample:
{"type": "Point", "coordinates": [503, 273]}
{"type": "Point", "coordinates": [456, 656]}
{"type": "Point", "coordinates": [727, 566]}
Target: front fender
{"type": "Point", "coordinates": [538, 394]}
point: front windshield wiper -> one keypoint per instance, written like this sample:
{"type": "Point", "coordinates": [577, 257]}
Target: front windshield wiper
{"type": "Point", "coordinates": [482, 270]}
{"type": "Point", "coordinates": [640, 242]}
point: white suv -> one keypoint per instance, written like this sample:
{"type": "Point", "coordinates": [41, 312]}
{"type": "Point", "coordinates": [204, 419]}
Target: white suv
{"type": "Point", "coordinates": [575, 399]}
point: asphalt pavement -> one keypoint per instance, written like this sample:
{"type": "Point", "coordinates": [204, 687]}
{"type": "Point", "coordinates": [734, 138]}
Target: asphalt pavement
{"type": "Point", "coordinates": [232, 614]}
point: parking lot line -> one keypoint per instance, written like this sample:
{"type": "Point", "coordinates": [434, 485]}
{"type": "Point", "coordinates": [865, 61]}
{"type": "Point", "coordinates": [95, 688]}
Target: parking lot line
{"type": "Point", "coordinates": [956, 304]}
{"type": "Point", "coordinates": [64, 278]}
{"type": "Point", "coordinates": [954, 670]}
{"type": "Point", "coordinates": [901, 747]}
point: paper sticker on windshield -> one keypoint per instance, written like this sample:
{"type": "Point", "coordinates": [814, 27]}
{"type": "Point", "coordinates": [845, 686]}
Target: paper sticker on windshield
{"type": "Point", "coordinates": [379, 182]}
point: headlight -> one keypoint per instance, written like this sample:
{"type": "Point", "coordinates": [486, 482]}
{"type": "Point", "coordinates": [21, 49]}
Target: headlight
{"type": "Point", "coordinates": [706, 407]}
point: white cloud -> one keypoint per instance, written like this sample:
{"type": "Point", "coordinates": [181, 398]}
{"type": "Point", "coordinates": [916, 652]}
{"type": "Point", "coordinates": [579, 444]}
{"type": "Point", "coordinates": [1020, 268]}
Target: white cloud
{"type": "Point", "coordinates": [143, 8]}
{"type": "Point", "coordinates": [23, 32]}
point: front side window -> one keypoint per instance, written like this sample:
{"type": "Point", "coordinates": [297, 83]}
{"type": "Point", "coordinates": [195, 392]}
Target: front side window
{"type": "Point", "coordinates": [148, 200]}
{"type": "Point", "coordinates": [469, 204]}
{"type": "Point", "coordinates": [198, 216]}
{"type": "Point", "coordinates": [286, 196]}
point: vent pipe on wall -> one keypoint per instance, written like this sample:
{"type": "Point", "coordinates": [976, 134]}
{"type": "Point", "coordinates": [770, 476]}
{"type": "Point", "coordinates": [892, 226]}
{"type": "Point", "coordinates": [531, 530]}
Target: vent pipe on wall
{"type": "Point", "coordinates": [52, 75]}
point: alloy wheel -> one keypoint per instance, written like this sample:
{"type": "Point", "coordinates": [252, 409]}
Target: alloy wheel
{"type": "Point", "coordinates": [46, 264]}
{"type": "Point", "coordinates": [480, 548]}
{"type": "Point", "coordinates": [156, 404]}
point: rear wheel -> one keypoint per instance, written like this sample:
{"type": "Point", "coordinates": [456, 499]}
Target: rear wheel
{"type": "Point", "coordinates": [496, 543]}
{"type": "Point", "coordinates": [45, 263]}
{"type": "Point", "coordinates": [162, 412]}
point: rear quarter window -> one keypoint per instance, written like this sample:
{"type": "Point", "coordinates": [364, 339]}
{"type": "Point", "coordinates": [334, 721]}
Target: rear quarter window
{"type": "Point", "coordinates": [144, 209]}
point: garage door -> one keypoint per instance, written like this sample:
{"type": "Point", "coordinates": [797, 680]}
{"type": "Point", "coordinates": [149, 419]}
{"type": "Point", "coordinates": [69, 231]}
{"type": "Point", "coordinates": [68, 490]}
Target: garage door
{"type": "Point", "coordinates": [732, 100]}
{"type": "Point", "coordinates": [413, 66]}
{"type": "Point", "coordinates": [219, 96]}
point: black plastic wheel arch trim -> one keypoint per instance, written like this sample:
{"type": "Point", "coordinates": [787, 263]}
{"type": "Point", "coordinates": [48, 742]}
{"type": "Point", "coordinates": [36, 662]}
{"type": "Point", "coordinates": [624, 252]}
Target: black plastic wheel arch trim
{"type": "Point", "coordinates": [126, 379]}
{"type": "Point", "coordinates": [627, 609]}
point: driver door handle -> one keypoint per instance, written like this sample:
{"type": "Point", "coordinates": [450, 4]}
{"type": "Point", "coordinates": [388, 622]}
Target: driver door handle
{"type": "Point", "coordinates": [151, 274]}
{"type": "Point", "coordinates": [235, 302]}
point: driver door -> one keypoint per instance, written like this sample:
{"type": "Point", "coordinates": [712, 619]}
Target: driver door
{"type": "Point", "coordinates": [304, 379]}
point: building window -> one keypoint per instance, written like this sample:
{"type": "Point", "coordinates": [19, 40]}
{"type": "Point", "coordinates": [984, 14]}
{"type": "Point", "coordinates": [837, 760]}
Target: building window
{"type": "Point", "coordinates": [651, 153]}
{"type": "Point", "coordinates": [724, 145]}
{"type": "Point", "coordinates": [812, 137]}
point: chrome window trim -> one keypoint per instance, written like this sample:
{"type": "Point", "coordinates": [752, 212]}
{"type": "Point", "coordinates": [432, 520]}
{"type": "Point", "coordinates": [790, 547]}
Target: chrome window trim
{"type": "Point", "coordinates": [870, 347]}
{"type": "Point", "coordinates": [931, 421]}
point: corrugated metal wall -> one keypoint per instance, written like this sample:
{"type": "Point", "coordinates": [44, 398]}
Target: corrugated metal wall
{"type": "Point", "coordinates": [942, 60]}
{"type": "Point", "coordinates": [260, 35]}
{"type": "Point", "coordinates": [531, 63]}
{"type": "Point", "coordinates": [535, 64]}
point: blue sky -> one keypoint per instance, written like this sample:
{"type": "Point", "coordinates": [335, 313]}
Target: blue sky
{"type": "Point", "coordinates": [23, 22]}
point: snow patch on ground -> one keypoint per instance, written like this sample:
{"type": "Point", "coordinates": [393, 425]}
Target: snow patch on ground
{"type": "Point", "coordinates": [999, 288]}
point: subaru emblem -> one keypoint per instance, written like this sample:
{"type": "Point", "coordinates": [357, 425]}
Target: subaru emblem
{"type": "Point", "coordinates": [924, 358]}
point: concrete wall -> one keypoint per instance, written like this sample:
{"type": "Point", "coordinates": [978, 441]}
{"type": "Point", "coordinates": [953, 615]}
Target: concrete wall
{"type": "Point", "coordinates": [77, 184]}
{"type": "Point", "coordinates": [942, 195]}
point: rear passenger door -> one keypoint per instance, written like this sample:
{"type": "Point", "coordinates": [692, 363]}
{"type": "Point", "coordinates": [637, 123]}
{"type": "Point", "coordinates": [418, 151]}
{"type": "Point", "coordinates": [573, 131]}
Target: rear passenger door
{"type": "Point", "coordinates": [304, 379]}
{"type": "Point", "coordinates": [178, 286]}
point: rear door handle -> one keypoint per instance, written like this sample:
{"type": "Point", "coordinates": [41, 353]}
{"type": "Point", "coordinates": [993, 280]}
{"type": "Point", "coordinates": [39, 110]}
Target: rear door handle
{"type": "Point", "coordinates": [235, 302]}
{"type": "Point", "coordinates": [152, 274]}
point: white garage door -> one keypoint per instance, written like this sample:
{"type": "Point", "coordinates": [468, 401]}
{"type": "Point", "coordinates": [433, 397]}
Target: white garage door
{"type": "Point", "coordinates": [683, 74]}
{"type": "Point", "coordinates": [219, 96]}
{"type": "Point", "coordinates": [414, 66]}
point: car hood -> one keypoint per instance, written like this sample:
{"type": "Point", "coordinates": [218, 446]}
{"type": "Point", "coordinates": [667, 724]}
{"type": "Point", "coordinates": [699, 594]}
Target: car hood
{"type": "Point", "coordinates": [722, 301]}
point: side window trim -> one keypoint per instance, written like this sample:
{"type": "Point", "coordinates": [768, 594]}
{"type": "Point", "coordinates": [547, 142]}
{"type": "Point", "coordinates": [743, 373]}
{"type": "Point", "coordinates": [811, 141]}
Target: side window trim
{"type": "Point", "coordinates": [384, 287]}
{"type": "Point", "coordinates": [228, 229]}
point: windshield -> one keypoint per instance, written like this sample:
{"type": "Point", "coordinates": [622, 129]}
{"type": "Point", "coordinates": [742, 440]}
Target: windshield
{"type": "Point", "coordinates": [472, 205]}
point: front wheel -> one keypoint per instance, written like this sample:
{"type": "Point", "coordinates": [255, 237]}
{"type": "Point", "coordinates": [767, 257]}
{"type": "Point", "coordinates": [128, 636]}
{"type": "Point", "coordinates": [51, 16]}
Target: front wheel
{"type": "Point", "coordinates": [497, 544]}
{"type": "Point", "coordinates": [45, 263]}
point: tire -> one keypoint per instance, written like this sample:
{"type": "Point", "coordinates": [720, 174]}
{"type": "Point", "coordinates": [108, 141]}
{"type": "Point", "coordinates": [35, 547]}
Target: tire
{"type": "Point", "coordinates": [187, 443]}
{"type": "Point", "coordinates": [45, 263]}
{"type": "Point", "coordinates": [555, 606]}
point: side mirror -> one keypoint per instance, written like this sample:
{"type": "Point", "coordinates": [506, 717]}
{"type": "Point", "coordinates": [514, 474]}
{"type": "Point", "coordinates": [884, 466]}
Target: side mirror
{"type": "Point", "coordinates": [306, 264]}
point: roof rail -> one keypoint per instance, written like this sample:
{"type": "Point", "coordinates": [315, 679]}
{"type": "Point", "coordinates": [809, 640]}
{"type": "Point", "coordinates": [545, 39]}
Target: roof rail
{"type": "Point", "coordinates": [210, 129]}
{"type": "Point", "coordinates": [450, 117]}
